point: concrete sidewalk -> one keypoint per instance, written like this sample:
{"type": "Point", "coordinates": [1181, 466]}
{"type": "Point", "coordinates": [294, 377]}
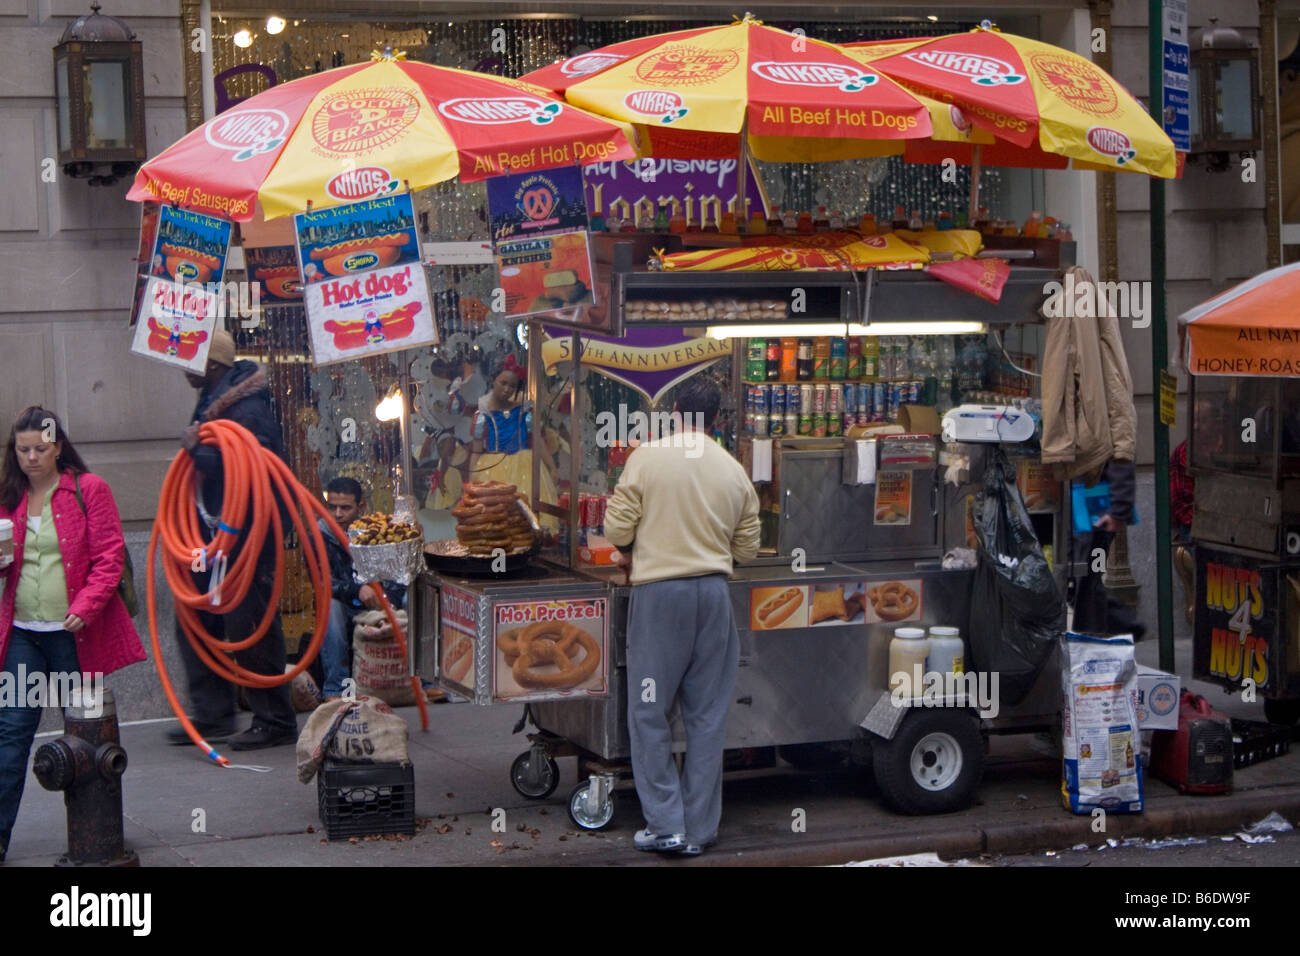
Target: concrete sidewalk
{"type": "Point", "coordinates": [182, 810]}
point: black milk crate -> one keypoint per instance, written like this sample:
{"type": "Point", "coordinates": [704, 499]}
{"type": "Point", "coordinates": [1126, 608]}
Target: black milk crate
{"type": "Point", "coordinates": [1259, 741]}
{"type": "Point", "coordinates": [361, 800]}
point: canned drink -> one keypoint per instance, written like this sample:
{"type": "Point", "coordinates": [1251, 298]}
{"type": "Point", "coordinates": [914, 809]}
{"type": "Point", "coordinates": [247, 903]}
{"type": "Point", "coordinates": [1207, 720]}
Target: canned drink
{"type": "Point", "coordinates": [819, 400]}
{"type": "Point", "coordinates": [851, 394]}
{"type": "Point", "coordinates": [879, 401]}
{"type": "Point", "coordinates": [913, 396]}
{"type": "Point", "coordinates": [778, 400]}
{"type": "Point", "coordinates": [864, 417]}
{"type": "Point", "coordinates": [761, 422]}
{"type": "Point", "coordinates": [864, 397]}
{"type": "Point", "coordinates": [749, 421]}
{"type": "Point", "coordinates": [806, 399]}
{"type": "Point", "coordinates": [894, 401]}
{"type": "Point", "coordinates": [804, 425]}
{"type": "Point", "coordinates": [776, 425]}
{"type": "Point", "coordinates": [819, 425]}
{"type": "Point", "coordinates": [763, 400]}
{"type": "Point", "coordinates": [835, 400]}
{"type": "Point", "coordinates": [834, 424]}
{"type": "Point", "coordinates": [791, 423]}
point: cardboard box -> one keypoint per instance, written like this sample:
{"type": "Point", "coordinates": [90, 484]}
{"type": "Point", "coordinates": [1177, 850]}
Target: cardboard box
{"type": "Point", "coordinates": [919, 419]}
{"type": "Point", "coordinates": [1157, 699]}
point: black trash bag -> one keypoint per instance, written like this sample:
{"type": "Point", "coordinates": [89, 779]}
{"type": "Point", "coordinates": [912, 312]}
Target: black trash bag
{"type": "Point", "coordinates": [1017, 613]}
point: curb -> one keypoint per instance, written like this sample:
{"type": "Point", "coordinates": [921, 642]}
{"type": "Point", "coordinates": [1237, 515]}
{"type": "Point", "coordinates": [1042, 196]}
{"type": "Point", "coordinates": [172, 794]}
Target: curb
{"type": "Point", "coordinates": [1205, 815]}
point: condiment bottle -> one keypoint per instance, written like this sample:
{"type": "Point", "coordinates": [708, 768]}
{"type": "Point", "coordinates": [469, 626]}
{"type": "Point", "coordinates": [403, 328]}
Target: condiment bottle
{"type": "Point", "coordinates": [1032, 223]}
{"type": "Point", "coordinates": [661, 219]}
{"type": "Point", "coordinates": [907, 655]}
{"type": "Point", "coordinates": [821, 222]}
{"type": "Point", "coordinates": [836, 220]}
{"type": "Point", "coordinates": [789, 220]}
{"type": "Point", "coordinates": [915, 224]}
{"type": "Point", "coordinates": [805, 224]}
{"type": "Point", "coordinates": [900, 219]}
{"type": "Point", "coordinates": [757, 224]}
{"type": "Point", "coordinates": [728, 226]}
{"type": "Point", "coordinates": [868, 224]}
{"type": "Point", "coordinates": [947, 653]}
{"type": "Point", "coordinates": [945, 221]}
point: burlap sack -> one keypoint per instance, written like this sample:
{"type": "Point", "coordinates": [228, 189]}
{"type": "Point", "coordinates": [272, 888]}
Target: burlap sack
{"type": "Point", "coordinates": [361, 731]}
{"type": "Point", "coordinates": [378, 666]}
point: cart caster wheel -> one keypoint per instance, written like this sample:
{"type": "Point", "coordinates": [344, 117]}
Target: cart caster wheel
{"type": "Point", "coordinates": [578, 810]}
{"type": "Point", "coordinates": [933, 764]}
{"type": "Point", "coordinates": [534, 781]}
{"type": "Point", "coordinates": [1285, 712]}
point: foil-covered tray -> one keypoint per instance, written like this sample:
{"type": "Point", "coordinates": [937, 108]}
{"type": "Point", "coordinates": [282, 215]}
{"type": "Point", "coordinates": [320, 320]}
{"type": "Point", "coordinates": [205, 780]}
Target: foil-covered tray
{"type": "Point", "coordinates": [400, 561]}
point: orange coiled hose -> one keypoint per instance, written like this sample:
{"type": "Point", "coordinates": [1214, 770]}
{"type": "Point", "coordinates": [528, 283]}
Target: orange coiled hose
{"type": "Point", "coordinates": [253, 478]}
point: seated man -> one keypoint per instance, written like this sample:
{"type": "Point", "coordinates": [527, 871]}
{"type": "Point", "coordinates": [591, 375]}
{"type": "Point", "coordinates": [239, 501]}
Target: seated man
{"type": "Point", "coordinates": [345, 500]}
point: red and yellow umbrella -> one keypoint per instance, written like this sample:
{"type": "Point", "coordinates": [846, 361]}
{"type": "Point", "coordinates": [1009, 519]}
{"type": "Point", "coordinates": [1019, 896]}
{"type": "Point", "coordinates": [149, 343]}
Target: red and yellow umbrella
{"type": "Point", "coordinates": [1252, 329]}
{"type": "Point", "coordinates": [693, 92]}
{"type": "Point", "coordinates": [366, 130]}
{"type": "Point", "coordinates": [1038, 98]}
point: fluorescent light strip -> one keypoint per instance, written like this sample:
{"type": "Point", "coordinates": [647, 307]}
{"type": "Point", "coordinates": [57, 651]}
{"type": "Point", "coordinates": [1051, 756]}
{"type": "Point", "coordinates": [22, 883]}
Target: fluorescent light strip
{"type": "Point", "coordinates": [918, 328]}
{"type": "Point", "coordinates": [775, 331]}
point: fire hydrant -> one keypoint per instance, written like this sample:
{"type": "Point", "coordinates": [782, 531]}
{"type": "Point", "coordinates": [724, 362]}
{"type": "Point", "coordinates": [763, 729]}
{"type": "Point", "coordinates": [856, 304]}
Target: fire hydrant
{"type": "Point", "coordinates": [87, 763]}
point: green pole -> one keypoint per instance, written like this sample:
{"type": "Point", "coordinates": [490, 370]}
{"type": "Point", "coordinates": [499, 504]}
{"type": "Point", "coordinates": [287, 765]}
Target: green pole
{"type": "Point", "coordinates": [1160, 346]}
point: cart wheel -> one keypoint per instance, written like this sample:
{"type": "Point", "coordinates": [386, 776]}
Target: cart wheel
{"type": "Point", "coordinates": [536, 782]}
{"type": "Point", "coordinates": [933, 764]}
{"type": "Point", "coordinates": [578, 808]}
{"type": "Point", "coordinates": [1282, 711]}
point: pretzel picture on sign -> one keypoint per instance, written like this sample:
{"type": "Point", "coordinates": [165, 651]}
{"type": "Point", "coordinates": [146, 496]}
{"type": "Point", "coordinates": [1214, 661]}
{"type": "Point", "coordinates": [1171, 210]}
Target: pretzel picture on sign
{"type": "Point", "coordinates": [552, 656]}
{"type": "Point", "coordinates": [893, 601]}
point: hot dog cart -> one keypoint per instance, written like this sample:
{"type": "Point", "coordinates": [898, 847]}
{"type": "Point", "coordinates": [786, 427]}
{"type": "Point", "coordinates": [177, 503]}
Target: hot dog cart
{"type": "Point", "coordinates": [813, 680]}
{"type": "Point", "coordinates": [1244, 452]}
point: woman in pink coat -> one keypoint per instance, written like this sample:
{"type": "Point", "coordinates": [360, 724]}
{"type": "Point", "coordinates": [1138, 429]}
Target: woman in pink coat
{"type": "Point", "coordinates": [60, 613]}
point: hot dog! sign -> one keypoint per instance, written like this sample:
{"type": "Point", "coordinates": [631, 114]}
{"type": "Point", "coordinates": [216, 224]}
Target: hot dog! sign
{"type": "Point", "coordinates": [364, 286]}
{"type": "Point", "coordinates": [1236, 620]}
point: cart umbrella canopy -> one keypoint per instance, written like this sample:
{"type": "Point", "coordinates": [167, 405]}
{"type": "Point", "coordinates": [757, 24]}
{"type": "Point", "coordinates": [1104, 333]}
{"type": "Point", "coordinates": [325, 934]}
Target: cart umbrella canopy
{"type": "Point", "coordinates": [692, 92]}
{"type": "Point", "coordinates": [368, 130]}
{"type": "Point", "coordinates": [1034, 95]}
{"type": "Point", "coordinates": [1252, 329]}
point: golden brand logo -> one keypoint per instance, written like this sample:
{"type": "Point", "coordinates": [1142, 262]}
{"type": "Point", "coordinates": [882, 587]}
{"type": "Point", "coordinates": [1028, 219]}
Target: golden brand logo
{"type": "Point", "coordinates": [979, 69]}
{"type": "Point", "coordinates": [686, 65]}
{"type": "Point", "coordinates": [1076, 81]}
{"type": "Point", "coordinates": [355, 121]}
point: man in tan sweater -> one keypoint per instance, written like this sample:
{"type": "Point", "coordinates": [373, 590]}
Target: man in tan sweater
{"type": "Point", "coordinates": [684, 510]}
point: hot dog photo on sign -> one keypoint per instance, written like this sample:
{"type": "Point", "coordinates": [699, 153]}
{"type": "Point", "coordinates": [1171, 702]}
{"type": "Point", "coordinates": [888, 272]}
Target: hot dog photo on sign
{"type": "Point", "coordinates": [778, 608]}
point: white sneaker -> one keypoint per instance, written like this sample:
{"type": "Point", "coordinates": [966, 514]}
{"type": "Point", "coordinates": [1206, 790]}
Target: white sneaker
{"type": "Point", "coordinates": [645, 840]}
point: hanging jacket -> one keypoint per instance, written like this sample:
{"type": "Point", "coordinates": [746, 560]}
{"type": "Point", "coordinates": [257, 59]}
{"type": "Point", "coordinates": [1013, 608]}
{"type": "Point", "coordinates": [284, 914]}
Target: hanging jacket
{"type": "Point", "coordinates": [93, 553]}
{"type": "Point", "coordinates": [1088, 412]}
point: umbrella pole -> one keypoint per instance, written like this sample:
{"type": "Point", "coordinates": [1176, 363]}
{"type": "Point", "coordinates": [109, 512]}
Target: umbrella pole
{"type": "Point", "coordinates": [742, 178]}
{"type": "Point", "coordinates": [975, 184]}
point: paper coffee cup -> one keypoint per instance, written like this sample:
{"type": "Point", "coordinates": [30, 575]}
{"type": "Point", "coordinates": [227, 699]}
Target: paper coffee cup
{"type": "Point", "coordinates": [6, 537]}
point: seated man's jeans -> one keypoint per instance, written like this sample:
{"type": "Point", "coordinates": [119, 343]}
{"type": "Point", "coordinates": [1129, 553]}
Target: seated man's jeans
{"type": "Point", "coordinates": [336, 651]}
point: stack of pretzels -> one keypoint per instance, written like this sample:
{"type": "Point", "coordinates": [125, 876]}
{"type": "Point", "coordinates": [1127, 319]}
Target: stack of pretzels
{"type": "Point", "coordinates": [488, 517]}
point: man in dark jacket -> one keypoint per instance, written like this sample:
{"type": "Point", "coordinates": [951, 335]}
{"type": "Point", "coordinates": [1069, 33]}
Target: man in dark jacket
{"type": "Point", "coordinates": [345, 499]}
{"type": "Point", "coordinates": [1095, 610]}
{"type": "Point", "coordinates": [236, 391]}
